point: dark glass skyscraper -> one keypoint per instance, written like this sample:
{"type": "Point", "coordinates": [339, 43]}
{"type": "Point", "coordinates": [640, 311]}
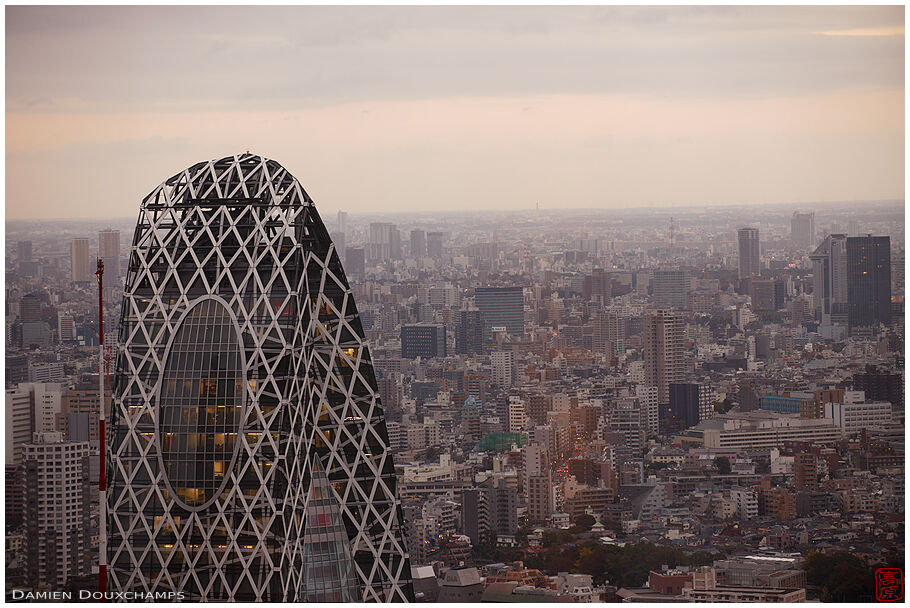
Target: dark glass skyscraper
{"type": "Point", "coordinates": [683, 410]}
{"type": "Point", "coordinates": [249, 457]}
{"type": "Point", "coordinates": [869, 280]}
{"type": "Point", "coordinates": [670, 288]}
{"type": "Point", "coordinates": [749, 253]}
{"type": "Point", "coordinates": [423, 340]}
{"type": "Point", "coordinates": [502, 307]}
{"type": "Point", "coordinates": [468, 332]}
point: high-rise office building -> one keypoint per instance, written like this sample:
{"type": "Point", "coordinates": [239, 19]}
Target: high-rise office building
{"type": "Point", "coordinates": [80, 261]}
{"type": "Point", "coordinates": [109, 252]}
{"type": "Point", "coordinates": [14, 499]}
{"type": "Point", "coordinates": [30, 309]}
{"type": "Point", "coordinates": [46, 372]}
{"type": "Point", "coordinates": [503, 364]}
{"type": "Point", "coordinates": [869, 280]}
{"type": "Point", "coordinates": [340, 240]}
{"type": "Point", "coordinates": [881, 385]}
{"type": "Point", "coordinates": [423, 340]}
{"type": "Point", "coordinates": [689, 404]}
{"type": "Point", "coordinates": [628, 419]}
{"type": "Point", "coordinates": [518, 415]}
{"type": "Point", "coordinates": [354, 262]}
{"type": "Point", "coordinates": [342, 221]}
{"type": "Point", "coordinates": [749, 252]}
{"type": "Point", "coordinates": [434, 245]}
{"type": "Point", "coordinates": [20, 422]}
{"type": "Point", "coordinates": [609, 336]}
{"type": "Point", "coordinates": [598, 287]}
{"type": "Point", "coordinates": [47, 400]}
{"type": "Point", "coordinates": [16, 368]}
{"type": "Point", "coordinates": [650, 407]}
{"type": "Point", "coordinates": [385, 242]}
{"type": "Point", "coordinates": [670, 288]}
{"type": "Point", "coordinates": [66, 327]}
{"type": "Point", "coordinates": [24, 251]}
{"type": "Point", "coordinates": [254, 382]}
{"type": "Point", "coordinates": [663, 351]}
{"type": "Point", "coordinates": [802, 229]}
{"type": "Point", "coordinates": [418, 243]}
{"type": "Point", "coordinates": [468, 332]}
{"type": "Point", "coordinates": [36, 335]}
{"type": "Point", "coordinates": [487, 509]}
{"type": "Point", "coordinates": [829, 279]}
{"type": "Point", "coordinates": [78, 417]}
{"type": "Point", "coordinates": [537, 482]}
{"type": "Point", "coordinates": [57, 510]}
{"type": "Point", "coordinates": [501, 307]}
{"type": "Point", "coordinates": [805, 470]}
{"type": "Point", "coordinates": [395, 245]}
{"type": "Point", "coordinates": [763, 295]}
{"type": "Point", "coordinates": [341, 235]}
{"type": "Point", "coordinates": [20, 416]}
{"type": "Point", "coordinates": [27, 266]}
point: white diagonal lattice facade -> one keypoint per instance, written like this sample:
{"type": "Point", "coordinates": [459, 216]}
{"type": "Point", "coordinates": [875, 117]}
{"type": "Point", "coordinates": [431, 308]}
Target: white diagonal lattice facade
{"type": "Point", "coordinates": [242, 368]}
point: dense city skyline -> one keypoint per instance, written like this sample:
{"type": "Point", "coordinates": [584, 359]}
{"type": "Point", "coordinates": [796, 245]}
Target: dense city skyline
{"type": "Point", "coordinates": [405, 108]}
{"type": "Point", "coordinates": [650, 388]}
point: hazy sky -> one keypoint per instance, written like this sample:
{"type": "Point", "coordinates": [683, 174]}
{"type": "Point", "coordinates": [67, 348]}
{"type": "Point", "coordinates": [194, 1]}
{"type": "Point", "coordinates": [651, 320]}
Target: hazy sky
{"type": "Point", "coordinates": [441, 108]}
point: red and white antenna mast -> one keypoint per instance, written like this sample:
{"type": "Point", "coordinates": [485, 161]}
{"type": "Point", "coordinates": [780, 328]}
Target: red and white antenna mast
{"type": "Point", "coordinates": [102, 493]}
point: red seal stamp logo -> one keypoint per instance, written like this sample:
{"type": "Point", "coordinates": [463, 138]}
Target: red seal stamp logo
{"type": "Point", "coordinates": [889, 585]}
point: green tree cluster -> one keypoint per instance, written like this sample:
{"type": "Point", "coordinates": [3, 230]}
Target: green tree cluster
{"type": "Point", "coordinates": [840, 577]}
{"type": "Point", "coordinates": [623, 566]}
{"type": "Point", "coordinates": [723, 465]}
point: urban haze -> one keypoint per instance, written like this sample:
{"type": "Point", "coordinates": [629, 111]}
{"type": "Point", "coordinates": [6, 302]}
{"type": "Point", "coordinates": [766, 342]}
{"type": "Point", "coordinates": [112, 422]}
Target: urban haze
{"type": "Point", "coordinates": [455, 304]}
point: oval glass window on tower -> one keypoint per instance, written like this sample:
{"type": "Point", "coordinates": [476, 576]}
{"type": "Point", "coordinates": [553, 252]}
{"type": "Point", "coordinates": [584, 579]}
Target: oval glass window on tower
{"type": "Point", "coordinates": [200, 403]}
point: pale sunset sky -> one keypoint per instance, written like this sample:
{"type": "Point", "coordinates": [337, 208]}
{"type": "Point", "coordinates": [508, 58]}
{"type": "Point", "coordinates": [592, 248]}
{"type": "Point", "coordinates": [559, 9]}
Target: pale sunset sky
{"type": "Point", "coordinates": [458, 108]}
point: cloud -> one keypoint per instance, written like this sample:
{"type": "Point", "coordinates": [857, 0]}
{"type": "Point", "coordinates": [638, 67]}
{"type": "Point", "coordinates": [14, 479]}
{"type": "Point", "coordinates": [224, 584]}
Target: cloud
{"type": "Point", "coordinates": [215, 58]}
{"type": "Point", "coordinates": [866, 31]}
{"type": "Point", "coordinates": [438, 107]}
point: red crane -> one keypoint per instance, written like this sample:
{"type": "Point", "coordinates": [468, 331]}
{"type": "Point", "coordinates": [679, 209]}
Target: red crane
{"type": "Point", "coordinates": [102, 494]}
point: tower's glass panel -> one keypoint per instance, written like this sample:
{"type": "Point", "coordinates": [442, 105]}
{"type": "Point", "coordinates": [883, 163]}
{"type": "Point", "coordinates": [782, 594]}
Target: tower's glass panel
{"type": "Point", "coordinates": [200, 403]}
{"type": "Point", "coordinates": [328, 567]}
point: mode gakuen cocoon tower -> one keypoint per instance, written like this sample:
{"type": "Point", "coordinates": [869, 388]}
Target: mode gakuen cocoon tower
{"type": "Point", "coordinates": [248, 458]}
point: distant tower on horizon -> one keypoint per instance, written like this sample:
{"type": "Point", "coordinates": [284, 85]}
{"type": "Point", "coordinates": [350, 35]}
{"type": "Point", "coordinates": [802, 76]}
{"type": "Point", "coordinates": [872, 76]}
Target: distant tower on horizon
{"type": "Point", "coordinates": [342, 221]}
{"type": "Point", "coordinates": [802, 229]}
{"type": "Point", "coordinates": [434, 245]}
{"type": "Point", "coordinates": [749, 253]}
{"type": "Point", "coordinates": [385, 242]}
{"type": "Point", "coordinates": [418, 243]}
{"type": "Point", "coordinates": [80, 261]}
{"type": "Point", "coordinates": [109, 252]}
